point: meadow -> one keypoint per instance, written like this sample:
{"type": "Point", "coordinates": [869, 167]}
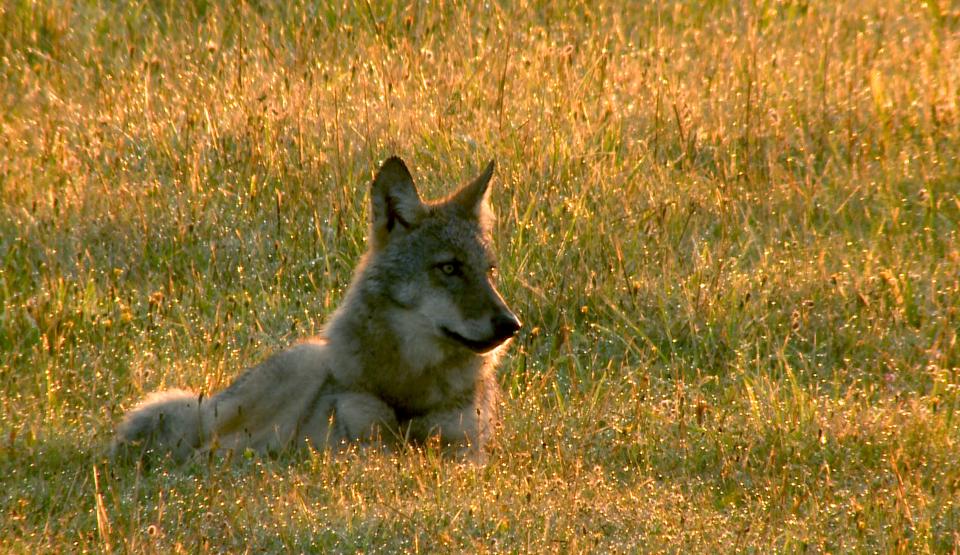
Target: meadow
{"type": "Point", "coordinates": [730, 228]}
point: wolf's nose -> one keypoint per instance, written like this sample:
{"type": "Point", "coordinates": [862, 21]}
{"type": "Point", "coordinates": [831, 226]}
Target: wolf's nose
{"type": "Point", "coordinates": [505, 325]}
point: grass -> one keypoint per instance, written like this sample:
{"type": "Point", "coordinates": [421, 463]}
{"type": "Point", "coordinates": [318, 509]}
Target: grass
{"type": "Point", "coordinates": [731, 229]}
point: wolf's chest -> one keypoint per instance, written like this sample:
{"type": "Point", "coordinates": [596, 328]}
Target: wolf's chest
{"type": "Point", "coordinates": [428, 391]}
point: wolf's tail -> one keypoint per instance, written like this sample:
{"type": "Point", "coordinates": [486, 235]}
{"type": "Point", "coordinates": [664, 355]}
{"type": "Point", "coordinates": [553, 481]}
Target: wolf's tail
{"type": "Point", "coordinates": [165, 422]}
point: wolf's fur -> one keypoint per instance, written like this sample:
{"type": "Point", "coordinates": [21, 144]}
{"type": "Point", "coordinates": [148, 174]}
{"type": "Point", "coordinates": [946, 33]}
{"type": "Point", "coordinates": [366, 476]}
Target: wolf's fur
{"type": "Point", "coordinates": [409, 355]}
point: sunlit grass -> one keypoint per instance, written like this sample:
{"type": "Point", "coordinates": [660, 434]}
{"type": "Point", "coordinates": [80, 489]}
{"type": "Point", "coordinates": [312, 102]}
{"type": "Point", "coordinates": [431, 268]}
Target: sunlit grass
{"type": "Point", "coordinates": [731, 230]}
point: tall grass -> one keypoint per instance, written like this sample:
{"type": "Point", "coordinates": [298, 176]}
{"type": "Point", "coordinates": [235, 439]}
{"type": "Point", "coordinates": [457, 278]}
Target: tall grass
{"type": "Point", "coordinates": [731, 229]}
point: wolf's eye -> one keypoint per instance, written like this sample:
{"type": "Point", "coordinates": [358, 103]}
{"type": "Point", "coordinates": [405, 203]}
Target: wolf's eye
{"type": "Point", "coordinates": [449, 268]}
{"type": "Point", "coordinates": [493, 272]}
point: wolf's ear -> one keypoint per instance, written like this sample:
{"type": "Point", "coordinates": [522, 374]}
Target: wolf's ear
{"type": "Point", "coordinates": [395, 203]}
{"type": "Point", "coordinates": [473, 196]}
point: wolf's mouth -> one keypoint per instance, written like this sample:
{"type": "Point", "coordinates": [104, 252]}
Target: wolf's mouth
{"type": "Point", "coordinates": [472, 344]}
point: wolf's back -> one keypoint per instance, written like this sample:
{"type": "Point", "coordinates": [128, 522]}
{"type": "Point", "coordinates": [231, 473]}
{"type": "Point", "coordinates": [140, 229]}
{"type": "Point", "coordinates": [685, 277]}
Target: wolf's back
{"type": "Point", "coordinates": [165, 422]}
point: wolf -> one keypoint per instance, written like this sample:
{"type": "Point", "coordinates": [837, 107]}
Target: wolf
{"type": "Point", "coordinates": [410, 355]}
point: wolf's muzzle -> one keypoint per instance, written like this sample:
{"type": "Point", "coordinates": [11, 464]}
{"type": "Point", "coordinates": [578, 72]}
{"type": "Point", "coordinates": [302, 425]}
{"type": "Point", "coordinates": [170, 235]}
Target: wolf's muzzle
{"type": "Point", "coordinates": [505, 326]}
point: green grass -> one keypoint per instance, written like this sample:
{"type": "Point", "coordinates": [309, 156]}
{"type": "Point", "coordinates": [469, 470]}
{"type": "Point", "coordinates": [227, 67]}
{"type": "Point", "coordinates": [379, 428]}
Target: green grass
{"type": "Point", "coordinates": [731, 229]}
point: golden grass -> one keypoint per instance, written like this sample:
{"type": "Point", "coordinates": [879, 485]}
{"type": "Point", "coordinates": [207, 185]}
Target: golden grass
{"type": "Point", "coordinates": [730, 227]}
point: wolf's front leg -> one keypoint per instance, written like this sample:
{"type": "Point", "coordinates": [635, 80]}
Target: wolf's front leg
{"type": "Point", "coordinates": [338, 419]}
{"type": "Point", "coordinates": [466, 430]}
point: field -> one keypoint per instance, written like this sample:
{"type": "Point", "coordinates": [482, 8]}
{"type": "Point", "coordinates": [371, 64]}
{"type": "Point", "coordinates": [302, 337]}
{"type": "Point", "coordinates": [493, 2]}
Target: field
{"type": "Point", "coordinates": [732, 230]}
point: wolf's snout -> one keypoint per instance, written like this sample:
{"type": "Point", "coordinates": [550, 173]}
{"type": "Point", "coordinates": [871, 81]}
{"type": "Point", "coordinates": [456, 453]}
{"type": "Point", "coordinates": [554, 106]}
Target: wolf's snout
{"type": "Point", "coordinates": [505, 326]}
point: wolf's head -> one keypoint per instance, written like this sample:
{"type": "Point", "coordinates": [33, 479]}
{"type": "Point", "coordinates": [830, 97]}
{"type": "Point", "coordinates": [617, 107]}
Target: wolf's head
{"type": "Point", "coordinates": [433, 264]}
